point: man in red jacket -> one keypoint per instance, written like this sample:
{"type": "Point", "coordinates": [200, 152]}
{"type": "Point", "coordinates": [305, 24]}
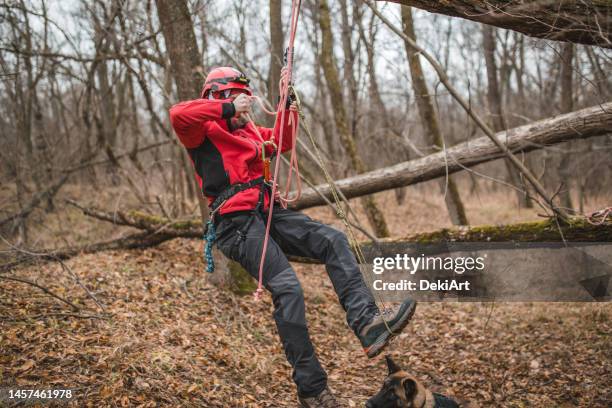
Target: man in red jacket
{"type": "Point", "coordinates": [226, 151]}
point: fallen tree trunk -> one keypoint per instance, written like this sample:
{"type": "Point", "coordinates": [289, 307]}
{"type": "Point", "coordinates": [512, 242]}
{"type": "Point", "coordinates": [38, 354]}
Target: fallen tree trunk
{"type": "Point", "coordinates": [583, 22]}
{"type": "Point", "coordinates": [589, 122]}
{"type": "Point", "coordinates": [133, 241]}
{"type": "Point", "coordinates": [578, 229]}
{"type": "Point", "coordinates": [189, 228]}
{"type": "Point", "coordinates": [159, 229]}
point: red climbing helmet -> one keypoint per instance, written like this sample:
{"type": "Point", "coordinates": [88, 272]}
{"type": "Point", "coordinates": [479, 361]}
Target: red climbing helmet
{"type": "Point", "coordinates": [223, 78]}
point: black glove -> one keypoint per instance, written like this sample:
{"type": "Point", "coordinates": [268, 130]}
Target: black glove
{"type": "Point", "coordinates": [290, 99]}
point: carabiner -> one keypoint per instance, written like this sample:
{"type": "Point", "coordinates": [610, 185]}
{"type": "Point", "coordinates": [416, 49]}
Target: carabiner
{"type": "Point", "coordinates": [266, 160]}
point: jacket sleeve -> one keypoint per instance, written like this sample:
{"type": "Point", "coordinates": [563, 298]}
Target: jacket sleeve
{"type": "Point", "coordinates": [187, 118]}
{"type": "Point", "coordinates": [290, 122]}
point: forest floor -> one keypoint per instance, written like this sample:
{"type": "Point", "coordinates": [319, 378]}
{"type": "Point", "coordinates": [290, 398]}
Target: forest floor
{"type": "Point", "coordinates": [173, 339]}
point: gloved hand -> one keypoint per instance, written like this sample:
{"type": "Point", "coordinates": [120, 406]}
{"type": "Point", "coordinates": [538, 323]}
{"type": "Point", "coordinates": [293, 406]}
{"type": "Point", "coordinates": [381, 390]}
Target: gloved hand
{"type": "Point", "coordinates": [291, 96]}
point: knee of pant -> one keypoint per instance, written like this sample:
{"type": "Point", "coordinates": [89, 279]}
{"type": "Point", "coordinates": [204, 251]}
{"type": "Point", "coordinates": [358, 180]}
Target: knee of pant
{"type": "Point", "coordinates": [293, 291]}
{"type": "Point", "coordinates": [288, 298]}
{"type": "Point", "coordinates": [286, 284]}
{"type": "Point", "coordinates": [335, 238]}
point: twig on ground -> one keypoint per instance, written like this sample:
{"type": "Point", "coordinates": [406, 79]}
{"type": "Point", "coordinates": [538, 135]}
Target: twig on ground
{"type": "Point", "coordinates": [47, 291]}
{"type": "Point", "coordinates": [46, 315]}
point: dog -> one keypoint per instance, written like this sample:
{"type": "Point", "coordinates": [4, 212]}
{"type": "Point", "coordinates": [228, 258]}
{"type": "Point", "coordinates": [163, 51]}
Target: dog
{"type": "Point", "coordinates": [402, 390]}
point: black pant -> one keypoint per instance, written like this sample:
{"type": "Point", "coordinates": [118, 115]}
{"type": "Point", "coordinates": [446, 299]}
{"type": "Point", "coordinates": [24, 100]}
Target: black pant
{"type": "Point", "coordinates": [294, 233]}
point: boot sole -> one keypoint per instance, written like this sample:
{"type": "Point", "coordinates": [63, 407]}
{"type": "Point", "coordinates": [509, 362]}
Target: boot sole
{"type": "Point", "coordinates": [377, 347]}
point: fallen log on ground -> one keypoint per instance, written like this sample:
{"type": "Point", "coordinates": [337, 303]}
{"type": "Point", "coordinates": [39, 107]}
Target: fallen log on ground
{"type": "Point", "coordinates": [133, 241]}
{"type": "Point", "coordinates": [582, 124]}
{"type": "Point", "coordinates": [158, 229]}
{"type": "Point", "coordinates": [189, 228]}
{"type": "Point", "coordinates": [578, 229]}
{"type": "Point", "coordinates": [583, 22]}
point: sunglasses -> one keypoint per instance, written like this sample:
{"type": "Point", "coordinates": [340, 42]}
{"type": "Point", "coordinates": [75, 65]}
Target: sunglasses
{"type": "Point", "coordinates": [226, 80]}
{"type": "Point", "coordinates": [225, 94]}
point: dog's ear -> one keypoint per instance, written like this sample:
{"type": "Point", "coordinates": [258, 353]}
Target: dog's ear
{"type": "Point", "coordinates": [410, 388]}
{"type": "Point", "coordinates": [393, 368]}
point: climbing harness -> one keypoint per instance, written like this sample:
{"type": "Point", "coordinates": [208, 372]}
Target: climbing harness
{"type": "Point", "coordinates": [210, 233]}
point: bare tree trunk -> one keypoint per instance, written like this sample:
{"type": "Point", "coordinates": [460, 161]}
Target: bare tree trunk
{"type": "Point", "coordinates": [519, 67]}
{"type": "Point", "coordinates": [373, 89]}
{"type": "Point", "coordinates": [379, 118]}
{"type": "Point", "coordinates": [567, 105]}
{"type": "Point", "coordinates": [202, 9]}
{"type": "Point", "coordinates": [495, 104]}
{"type": "Point", "coordinates": [348, 65]}
{"type": "Point", "coordinates": [429, 119]}
{"type": "Point", "coordinates": [276, 55]}
{"type": "Point", "coordinates": [519, 70]}
{"type": "Point", "coordinates": [374, 214]}
{"type": "Point", "coordinates": [182, 48]}
{"type": "Point", "coordinates": [185, 61]}
{"type": "Point", "coordinates": [602, 80]}
{"type": "Point", "coordinates": [107, 111]}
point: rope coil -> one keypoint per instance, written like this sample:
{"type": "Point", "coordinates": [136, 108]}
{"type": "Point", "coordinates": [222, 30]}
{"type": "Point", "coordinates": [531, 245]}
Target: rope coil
{"type": "Point", "coordinates": [209, 237]}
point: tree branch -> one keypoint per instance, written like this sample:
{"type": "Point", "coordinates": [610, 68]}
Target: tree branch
{"type": "Point", "coordinates": [583, 22]}
{"type": "Point", "coordinates": [582, 124]}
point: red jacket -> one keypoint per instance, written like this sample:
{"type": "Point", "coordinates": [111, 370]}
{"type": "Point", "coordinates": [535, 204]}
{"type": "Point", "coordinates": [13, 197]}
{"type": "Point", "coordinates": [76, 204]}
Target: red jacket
{"type": "Point", "coordinates": [222, 157]}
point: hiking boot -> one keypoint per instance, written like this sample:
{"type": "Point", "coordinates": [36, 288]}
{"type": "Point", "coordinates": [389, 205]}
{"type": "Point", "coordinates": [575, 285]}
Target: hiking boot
{"type": "Point", "coordinates": [324, 400]}
{"type": "Point", "coordinates": [376, 335]}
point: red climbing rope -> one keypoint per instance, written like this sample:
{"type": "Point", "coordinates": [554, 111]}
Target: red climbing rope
{"type": "Point", "coordinates": [284, 93]}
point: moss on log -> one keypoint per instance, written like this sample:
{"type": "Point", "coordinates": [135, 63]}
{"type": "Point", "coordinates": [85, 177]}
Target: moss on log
{"type": "Point", "coordinates": [150, 222]}
{"type": "Point", "coordinates": [241, 283]}
{"type": "Point", "coordinates": [577, 229]}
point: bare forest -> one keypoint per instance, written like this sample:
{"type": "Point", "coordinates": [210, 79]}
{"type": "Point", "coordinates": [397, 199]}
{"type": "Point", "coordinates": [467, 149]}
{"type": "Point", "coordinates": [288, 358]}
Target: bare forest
{"type": "Point", "coordinates": [432, 119]}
